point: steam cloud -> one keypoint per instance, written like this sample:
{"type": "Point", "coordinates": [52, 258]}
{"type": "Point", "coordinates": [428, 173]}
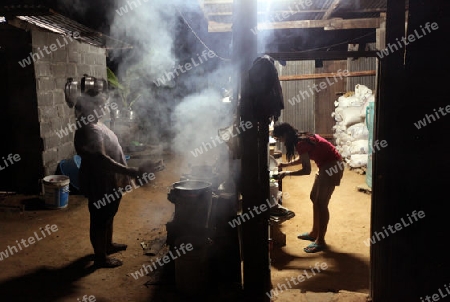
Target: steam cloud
{"type": "Point", "coordinates": [187, 111]}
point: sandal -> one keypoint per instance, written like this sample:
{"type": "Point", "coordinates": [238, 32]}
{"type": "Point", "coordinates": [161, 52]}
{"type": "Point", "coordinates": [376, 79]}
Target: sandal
{"type": "Point", "coordinates": [116, 247]}
{"type": "Point", "coordinates": [314, 248]}
{"type": "Point", "coordinates": [306, 236]}
{"type": "Point", "coordinates": [108, 263]}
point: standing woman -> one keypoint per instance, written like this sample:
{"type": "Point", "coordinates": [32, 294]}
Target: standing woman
{"type": "Point", "coordinates": [331, 167]}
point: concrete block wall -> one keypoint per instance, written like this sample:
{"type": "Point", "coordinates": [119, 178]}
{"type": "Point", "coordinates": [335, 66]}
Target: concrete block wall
{"type": "Point", "coordinates": [70, 58]}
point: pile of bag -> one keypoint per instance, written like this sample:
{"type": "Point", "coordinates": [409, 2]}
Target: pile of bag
{"type": "Point", "coordinates": [350, 132]}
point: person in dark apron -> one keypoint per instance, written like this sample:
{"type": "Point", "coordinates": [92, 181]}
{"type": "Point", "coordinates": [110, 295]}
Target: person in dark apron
{"type": "Point", "coordinates": [103, 175]}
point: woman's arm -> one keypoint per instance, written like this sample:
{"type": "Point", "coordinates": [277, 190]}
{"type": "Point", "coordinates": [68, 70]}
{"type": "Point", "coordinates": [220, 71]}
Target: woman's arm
{"type": "Point", "coordinates": [291, 163]}
{"type": "Point", "coordinates": [111, 165]}
{"type": "Point", "coordinates": [306, 166]}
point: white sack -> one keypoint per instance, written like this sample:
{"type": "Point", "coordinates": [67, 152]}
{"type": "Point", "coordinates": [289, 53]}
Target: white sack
{"type": "Point", "coordinates": [349, 101]}
{"type": "Point", "coordinates": [345, 151]}
{"type": "Point", "coordinates": [360, 147]}
{"type": "Point", "coordinates": [351, 115]}
{"type": "Point", "coordinates": [358, 131]}
{"type": "Point", "coordinates": [362, 91]}
{"type": "Point", "coordinates": [358, 160]}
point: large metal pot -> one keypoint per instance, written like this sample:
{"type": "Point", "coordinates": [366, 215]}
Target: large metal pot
{"type": "Point", "coordinates": [202, 173]}
{"type": "Point", "coordinates": [193, 202]}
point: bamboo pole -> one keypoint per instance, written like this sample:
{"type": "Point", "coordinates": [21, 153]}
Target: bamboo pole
{"type": "Point", "coordinates": [327, 75]}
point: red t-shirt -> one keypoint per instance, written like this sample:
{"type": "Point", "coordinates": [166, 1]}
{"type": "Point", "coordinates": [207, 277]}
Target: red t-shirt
{"type": "Point", "coordinates": [321, 152]}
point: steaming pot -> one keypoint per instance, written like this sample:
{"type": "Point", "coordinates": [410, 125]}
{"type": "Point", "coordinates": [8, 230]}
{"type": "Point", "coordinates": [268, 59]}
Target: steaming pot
{"type": "Point", "coordinates": [203, 173]}
{"type": "Point", "coordinates": [193, 202]}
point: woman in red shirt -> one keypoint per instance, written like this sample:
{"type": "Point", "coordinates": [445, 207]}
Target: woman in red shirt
{"type": "Point", "coordinates": [331, 167]}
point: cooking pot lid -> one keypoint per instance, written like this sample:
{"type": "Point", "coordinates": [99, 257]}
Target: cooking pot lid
{"type": "Point", "coordinates": [191, 185]}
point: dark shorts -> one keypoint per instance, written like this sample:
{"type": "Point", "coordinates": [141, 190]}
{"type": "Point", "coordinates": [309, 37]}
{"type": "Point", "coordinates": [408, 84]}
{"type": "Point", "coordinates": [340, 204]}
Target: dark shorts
{"type": "Point", "coordinates": [325, 183]}
{"type": "Point", "coordinates": [102, 210]}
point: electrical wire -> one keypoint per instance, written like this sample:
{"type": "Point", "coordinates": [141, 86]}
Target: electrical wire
{"type": "Point", "coordinates": [337, 44]}
{"type": "Point", "coordinates": [302, 51]}
{"type": "Point", "coordinates": [198, 38]}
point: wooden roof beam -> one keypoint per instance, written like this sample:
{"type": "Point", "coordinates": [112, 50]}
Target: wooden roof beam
{"type": "Point", "coordinates": [332, 24]}
{"type": "Point", "coordinates": [331, 9]}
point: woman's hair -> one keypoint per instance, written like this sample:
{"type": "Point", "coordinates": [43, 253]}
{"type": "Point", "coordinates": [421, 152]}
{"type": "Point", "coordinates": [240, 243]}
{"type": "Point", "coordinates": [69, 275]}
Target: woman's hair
{"type": "Point", "coordinates": [293, 136]}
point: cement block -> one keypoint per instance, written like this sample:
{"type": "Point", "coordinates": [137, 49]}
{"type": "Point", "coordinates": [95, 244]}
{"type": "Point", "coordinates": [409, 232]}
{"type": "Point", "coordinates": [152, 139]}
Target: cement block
{"type": "Point", "coordinates": [45, 98]}
{"type": "Point", "coordinates": [51, 168]}
{"type": "Point", "coordinates": [60, 84]}
{"type": "Point", "coordinates": [47, 113]}
{"type": "Point", "coordinates": [59, 70]}
{"type": "Point", "coordinates": [83, 69]}
{"type": "Point", "coordinates": [45, 84]}
{"type": "Point", "coordinates": [89, 59]}
{"type": "Point", "coordinates": [38, 55]}
{"type": "Point", "coordinates": [39, 38]}
{"type": "Point", "coordinates": [71, 70]}
{"type": "Point", "coordinates": [46, 129]}
{"type": "Point", "coordinates": [60, 55]}
{"type": "Point", "coordinates": [68, 138]}
{"type": "Point", "coordinates": [51, 142]}
{"type": "Point", "coordinates": [95, 49]}
{"type": "Point", "coordinates": [75, 57]}
{"type": "Point", "coordinates": [66, 150]}
{"type": "Point", "coordinates": [99, 71]}
{"type": "Point", "coordinates": [83, 47]}
{"type": "Point", "coordinates": [100, 59]}
{"type": "Point", "coordinates": [62, 110]}
{"type": "Point", "coordinates": [58, 94]}
{"type": "Point", "coordinates": [49, 156]}
{"type": "Point", "coordinates": [42, 69]}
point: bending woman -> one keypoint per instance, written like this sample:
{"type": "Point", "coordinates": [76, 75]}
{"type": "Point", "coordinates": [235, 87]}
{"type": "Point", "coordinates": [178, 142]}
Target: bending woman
{"type": "Point", "coordinates": [331, 167]}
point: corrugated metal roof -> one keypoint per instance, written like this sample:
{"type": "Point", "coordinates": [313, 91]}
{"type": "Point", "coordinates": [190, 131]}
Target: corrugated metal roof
{"type": "Point", "coordinates": [50, 20]}
{"type": "Point", "coordinates": [220, 12]}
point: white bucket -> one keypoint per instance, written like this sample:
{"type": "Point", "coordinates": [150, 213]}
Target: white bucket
{"type": "Point", "coordinates": [56, 191]}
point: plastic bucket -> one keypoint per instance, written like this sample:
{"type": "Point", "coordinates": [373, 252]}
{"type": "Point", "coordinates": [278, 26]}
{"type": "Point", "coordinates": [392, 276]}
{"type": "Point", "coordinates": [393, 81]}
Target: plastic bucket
{"type": "Point", "coordinates": [191, 268]}
{"type": "Point", "coordinates": [71, 167]}
{"type": "Point", "coordinates": [56, 191]}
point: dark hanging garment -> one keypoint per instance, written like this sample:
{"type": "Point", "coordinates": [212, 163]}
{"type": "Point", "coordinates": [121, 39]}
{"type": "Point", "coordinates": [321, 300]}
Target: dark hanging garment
{"type": "Point", "coordinates": [265, 88]}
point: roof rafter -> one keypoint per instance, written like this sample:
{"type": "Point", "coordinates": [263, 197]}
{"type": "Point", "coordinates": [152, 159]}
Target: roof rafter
{"type": "Point", "coordinates": [332, 24]}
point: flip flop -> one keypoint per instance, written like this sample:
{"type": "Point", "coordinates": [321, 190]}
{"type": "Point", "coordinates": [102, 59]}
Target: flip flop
{"type": "Point", "coordinates": [306, 236]}
{"type": "Point", "coordinates": [314, 248]}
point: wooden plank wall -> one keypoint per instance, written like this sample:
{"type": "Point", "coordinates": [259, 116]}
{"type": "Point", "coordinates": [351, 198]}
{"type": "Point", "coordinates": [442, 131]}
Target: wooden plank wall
{"type": "Point", "coordinates": [324, 98]}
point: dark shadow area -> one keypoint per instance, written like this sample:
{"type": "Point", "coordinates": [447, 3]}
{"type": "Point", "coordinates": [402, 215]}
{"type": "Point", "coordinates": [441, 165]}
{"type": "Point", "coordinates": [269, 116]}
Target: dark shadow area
{"type": "Point", "coordinates": [208, 275]}
{"type": "Point", "coordinates": [34, 204]}
{"type": "Point", "coordinates": [280, 259]}
{"type": "Point", "coordinates": [46, 284]}
{"type": "Point", "coordinates": [348, 272]}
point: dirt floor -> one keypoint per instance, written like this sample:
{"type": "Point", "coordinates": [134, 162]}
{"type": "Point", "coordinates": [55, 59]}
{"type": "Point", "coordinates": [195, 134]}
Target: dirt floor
{"type": "Point", "coordinates": [58, 267]}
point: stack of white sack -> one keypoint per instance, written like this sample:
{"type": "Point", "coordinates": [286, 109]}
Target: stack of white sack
{"type": "Point", "coordinates": [350, 132]}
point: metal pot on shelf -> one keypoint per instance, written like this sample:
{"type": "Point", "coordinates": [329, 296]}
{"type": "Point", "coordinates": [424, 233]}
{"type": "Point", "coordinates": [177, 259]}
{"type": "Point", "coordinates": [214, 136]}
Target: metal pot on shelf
{"type": "Point", "coordinates": [128, 114]}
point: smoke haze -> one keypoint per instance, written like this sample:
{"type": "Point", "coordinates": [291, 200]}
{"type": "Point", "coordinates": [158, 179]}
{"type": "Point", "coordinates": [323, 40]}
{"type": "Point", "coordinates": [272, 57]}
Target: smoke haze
{"type": "Point", "coordinates": [186, 110]}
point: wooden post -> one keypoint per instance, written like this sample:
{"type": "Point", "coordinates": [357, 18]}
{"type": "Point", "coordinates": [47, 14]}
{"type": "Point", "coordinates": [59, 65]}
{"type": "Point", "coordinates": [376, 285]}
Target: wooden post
{"type": "Point", "coordinates": [254, 184]}
{"type": "Point", "coordinates": [386, 208]}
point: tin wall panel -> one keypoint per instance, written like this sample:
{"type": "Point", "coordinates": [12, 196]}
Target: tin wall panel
{"type": "Point", "coordinates": [361, 64]}
{"type": "Point", "coordinates": [298, 95]}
